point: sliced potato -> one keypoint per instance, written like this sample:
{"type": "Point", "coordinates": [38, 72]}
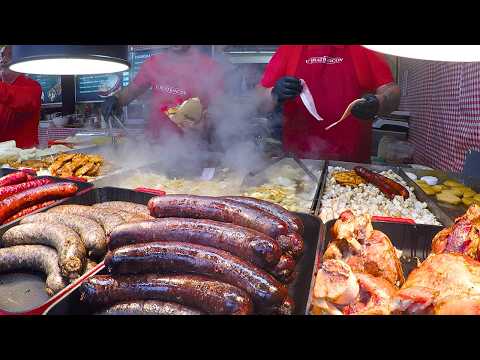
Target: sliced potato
{"type": "Point", "coordinates": [451, 183]}
{"type": "Point", "coordinates": [477, 197]}
{"type": "Point", "coordinates": [453, 191]}
{"type": "Point", "coordinates": [438, 188]}
{"type": "Point", "coordinates": [421, 183]}
{"type": "Point", "coordinates": [428, 190]}
{"type": "Point", "coordinates": [448, 197]}
{"type": "Point", "coordinates": [468, 193]}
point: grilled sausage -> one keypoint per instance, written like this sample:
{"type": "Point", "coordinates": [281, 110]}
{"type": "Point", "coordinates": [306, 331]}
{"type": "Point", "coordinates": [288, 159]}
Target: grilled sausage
{"type": "Point", "coordinates": [37, 258]}
{"type": "Point", "coordinates": [218, 209]}
{"type": "Point", "coordinates": [284, 269]}
{"type": "Point", "coordinates": [177, 257]}
{"type": "Point", "coordinates": [124, 205]}
{"type": "Point", "coordinates": [30, 197]}
{"type": "Point", "coordinates": [198, 292]}
{"type": "Point", "coordinates": [107, 219]}
{"type": "Point", "coordinates": [70, 248]}
{"type": "Point", "coordinates": [10, 190]}
{"type": "Point", "coordinates": [89, 230]}
{"type": "Point", "coordinates": [294, 222]}
{"type": "Point", "coordinates": [291, 244]}
{"type": "Point", "coordinates": [387, 186]}
{"type": "Point", "coordinates": [29, 210]}
{"type": "Point", "coordinates": [13, 178]}
{"type": "Point", "coordinates": [245, 243]}
{"type": "Point", "coordinates": [129, 216]}
{"type": "Point", "coordinates": [148, 307]}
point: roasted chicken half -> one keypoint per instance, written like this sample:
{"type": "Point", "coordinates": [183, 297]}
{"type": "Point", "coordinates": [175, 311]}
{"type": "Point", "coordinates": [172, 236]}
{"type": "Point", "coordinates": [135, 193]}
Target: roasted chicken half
{"type": "Point", "coordinates": [463, 237]}
{"type": "Point", "coordinates": [364, 249]}
{"type": "Point", "coordinates": [340, 291]}
{"type": "Point", "coordinates": [443, 284]}
{"type": "Point", "coordinates": [448, 281]}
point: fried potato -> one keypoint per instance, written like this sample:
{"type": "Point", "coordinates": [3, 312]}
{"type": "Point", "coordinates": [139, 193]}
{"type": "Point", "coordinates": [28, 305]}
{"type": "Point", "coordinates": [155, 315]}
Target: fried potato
{"type": "Point", "coordinates": [421, 183]}
{"type": "Point", "coordinates": [453, 191]}
{"type": "Point", "coordinates": [448, 197]}
{"type": "Point", "coordinates": [428, 190]}
{"type": "Point", "coordinates": [438, 188]}
{"type": "Point", "coordinates": [451, 183]}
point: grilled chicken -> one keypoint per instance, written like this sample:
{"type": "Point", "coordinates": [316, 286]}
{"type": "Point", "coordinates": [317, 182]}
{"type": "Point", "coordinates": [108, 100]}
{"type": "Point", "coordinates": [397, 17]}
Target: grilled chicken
{"type": "Point", "coordinates": [444, 283]}
{"type": "Point", "coordinates": [463, 237]}
{"type": "Point", "coordinates": [85, 169]}
{"type": "Point", "coordinates": [340, 291]}
{"type": "Point", "coordinates": [364, 249]}
{"type": "Point", "coordinates": [59, 162]}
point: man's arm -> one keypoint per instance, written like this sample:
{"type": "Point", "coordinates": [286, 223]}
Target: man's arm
{"type": "Point", "coordinates": [266, 102]}
{"type": "Point", "coordinates": [130, 93]}
{"type": "Point", "coordinates": [389, 98]}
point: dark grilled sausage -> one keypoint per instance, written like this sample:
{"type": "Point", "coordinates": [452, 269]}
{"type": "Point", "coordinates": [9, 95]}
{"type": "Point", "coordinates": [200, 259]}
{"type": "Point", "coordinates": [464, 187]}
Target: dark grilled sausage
{"type": "Point", "coordinates": [107, 219]}
{"type": "Point", "coordinates": [294, 222]}
{"type": "Point", "coordinates": [292, 244]}
{"type": "Point", "coordinates": [37, 258]}
{"type": "Point", "coordinates": [218, 209]}
{"type": "Point", "coordinates": [124, 205]}
{"type": "Point", "coordinates": [89, 230]}
{"type": "Point", "coordinates": [285, 268]}
{"type": "Point", "coordinates": [177, 257]}
{"type": "Point", "coordinates": [198, 292]}
{"type": "Point", "coordinates": [70, 248]}
{"type": "Point", "coordinates": [149, 307]}
{"type": "Point", "coordinates": [387, 186]}
{"type": "Point", "coordinates": [30, 197]}
{"type": "Point", "coordinates": [245, 243]}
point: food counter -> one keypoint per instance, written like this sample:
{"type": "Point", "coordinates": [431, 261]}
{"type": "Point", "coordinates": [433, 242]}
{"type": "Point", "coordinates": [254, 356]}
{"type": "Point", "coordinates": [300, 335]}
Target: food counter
{"type": "Point", "coordinates": [218, 232]}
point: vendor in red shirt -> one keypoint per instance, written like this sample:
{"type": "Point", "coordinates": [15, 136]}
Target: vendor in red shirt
{"type": "Point", "coordinates": [336, 75]}
{"type": "Point", "coordinates": [180, 73]}
{"type": "Point", "coordinates": [20, 100]}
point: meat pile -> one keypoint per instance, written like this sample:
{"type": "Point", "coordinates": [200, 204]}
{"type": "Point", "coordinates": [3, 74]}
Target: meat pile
{"type": "Point", "coordinates": [202, 255]}
{"type": "Point", "coordinates": [66, 241]}
{"type": "Point", "coordinates": [361, 272]}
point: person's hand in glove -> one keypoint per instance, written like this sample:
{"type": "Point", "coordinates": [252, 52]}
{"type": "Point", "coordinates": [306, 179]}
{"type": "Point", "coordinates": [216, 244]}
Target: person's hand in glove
{"type": "Point", "coordinates": [286, 88]}
{"type": "Point", "coordinates": [110, 106]}
{"type": "Point", "coordinates": [367, 108]}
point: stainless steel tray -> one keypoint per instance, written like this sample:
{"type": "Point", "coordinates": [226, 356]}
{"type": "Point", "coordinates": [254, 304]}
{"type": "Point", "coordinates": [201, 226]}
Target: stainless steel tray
{"type": "Point", "coordinates": [452, 211]}
{"type": "Point", "coordinates": [421, 196]}
{"type": "Point", "coordinates": [115, 178]}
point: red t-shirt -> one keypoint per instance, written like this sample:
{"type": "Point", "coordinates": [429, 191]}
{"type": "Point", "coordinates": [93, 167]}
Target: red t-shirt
{"type": "Point", "coordinates": [336, 75]}
{"type": "Point", "coordinates": [20, 111]}
{"type": "Point", "coordinates": [175, 78]}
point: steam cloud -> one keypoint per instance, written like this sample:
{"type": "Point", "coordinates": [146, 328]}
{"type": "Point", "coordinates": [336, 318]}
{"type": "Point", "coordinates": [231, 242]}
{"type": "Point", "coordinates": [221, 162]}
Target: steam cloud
{"type": "Point", "coordinates": [232, 133]}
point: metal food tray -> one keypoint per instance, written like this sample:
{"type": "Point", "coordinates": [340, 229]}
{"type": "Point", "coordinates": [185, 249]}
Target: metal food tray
{"type": "Point", "coordinates": [452, 211]}
{"type": "Point", "coordinates": [114, 179]}
{"type": "Point", "coordinates": [298, 290]}
{"type": "Point", "coordinates": [413, 240]}
{"type": "Point", "coordinates": [442, 217]}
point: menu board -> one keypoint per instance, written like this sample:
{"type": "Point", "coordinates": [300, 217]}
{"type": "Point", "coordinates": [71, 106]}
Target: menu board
{"type": "Point", "coordinates": [95, 88]}
{"type": "Point", "coordinates": [51, 88]}
{"type": "Point", "coordinates": [137, 58]}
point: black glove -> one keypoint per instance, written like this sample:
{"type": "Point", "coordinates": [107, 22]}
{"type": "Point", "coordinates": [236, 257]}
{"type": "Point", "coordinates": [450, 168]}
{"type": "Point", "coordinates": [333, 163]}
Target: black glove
{"type": "Point", "coordinates": [110, 105]}
{"type": "Point", "coordinates": [367, 108]}
{"type": "Point", "coordinates": [285, 88]}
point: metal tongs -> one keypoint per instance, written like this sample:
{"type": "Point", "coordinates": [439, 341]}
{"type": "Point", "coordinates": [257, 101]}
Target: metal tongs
{"type": "Point", "coordinates": [110, 128]}
{"type": "Point", "coordinates": [247, 180]}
